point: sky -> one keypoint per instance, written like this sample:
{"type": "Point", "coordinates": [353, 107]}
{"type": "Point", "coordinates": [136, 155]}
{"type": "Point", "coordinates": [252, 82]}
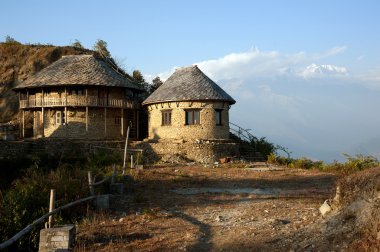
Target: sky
{"type": "Point", "coordinates": [305, 74]}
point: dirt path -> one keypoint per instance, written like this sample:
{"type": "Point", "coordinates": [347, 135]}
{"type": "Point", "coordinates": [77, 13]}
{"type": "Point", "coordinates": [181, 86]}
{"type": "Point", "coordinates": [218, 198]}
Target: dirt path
{"type": "Point", "coordinates": [228, 209]}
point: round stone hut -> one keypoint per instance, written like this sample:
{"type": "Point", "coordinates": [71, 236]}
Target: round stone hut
{"type": "Point", "coordinates": [79, 96]}
{"type": "Point", "coordinates": [189, 105]}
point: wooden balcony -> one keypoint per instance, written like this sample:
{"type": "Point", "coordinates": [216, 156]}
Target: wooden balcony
{"type": "Point", "coordinates": [79, 102]}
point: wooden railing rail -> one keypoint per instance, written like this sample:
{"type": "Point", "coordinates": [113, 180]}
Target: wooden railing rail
{"type": "Point", "coordinates": [78, 101]}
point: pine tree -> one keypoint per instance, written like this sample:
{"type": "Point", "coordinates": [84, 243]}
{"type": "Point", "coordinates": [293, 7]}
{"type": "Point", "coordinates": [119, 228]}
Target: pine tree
{"type": "Point", "coordinates": [138, 77]}
{"type": "Point", "coordinates": [156, 83]}
{"type": "Point", "coordinates": [101, 47]}
{"type": "Point", "coordinates": [77, 44]}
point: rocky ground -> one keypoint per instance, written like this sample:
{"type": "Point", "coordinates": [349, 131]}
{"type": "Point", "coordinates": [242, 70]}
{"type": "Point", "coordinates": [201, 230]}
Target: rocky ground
{"type": "Point", "coordinates": [230, 208]}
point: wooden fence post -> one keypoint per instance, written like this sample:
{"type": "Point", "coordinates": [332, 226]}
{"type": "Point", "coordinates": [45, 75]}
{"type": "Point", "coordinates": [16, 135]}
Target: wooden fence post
{"type": "Point", "coordinates": [131, 161]}
{"type": "Point", "coordinates": [125, 151]}
{"type": "Point", "coordinates": [91, 184]}
{"type": "Point", "coordinates": [51, 207]}
{"type": "Point", "coordinates": [113, 174]}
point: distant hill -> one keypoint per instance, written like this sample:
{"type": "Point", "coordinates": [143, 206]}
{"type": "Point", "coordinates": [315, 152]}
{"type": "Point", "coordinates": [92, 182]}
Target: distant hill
{"type": "Point", "coordinates": [18, 62]}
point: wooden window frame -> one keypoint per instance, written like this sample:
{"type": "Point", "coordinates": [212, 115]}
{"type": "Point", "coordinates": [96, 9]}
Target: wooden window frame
{"type": "Point", "coordinates": [60, 118]}
{"type": "Point", "coordinates": [218, 111]}
{"type": "Point", "coordinates": [166, 117]}
{"type": "Point", "coordinates": [192, 113]}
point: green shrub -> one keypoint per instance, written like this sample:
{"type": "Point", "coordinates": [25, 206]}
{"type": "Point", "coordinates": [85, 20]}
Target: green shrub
{"type": "Point", "coordinates": [303, 163]}
{"type": "Point", "coordinates": [272, 158]}
{"type": "Point", "coordinates": [360, 162]}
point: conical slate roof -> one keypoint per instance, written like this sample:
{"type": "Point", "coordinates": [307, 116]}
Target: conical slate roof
{"type": "Point", "coordinates": [78, 70]}
{"type": "Point", "coordinates": [189, 84]}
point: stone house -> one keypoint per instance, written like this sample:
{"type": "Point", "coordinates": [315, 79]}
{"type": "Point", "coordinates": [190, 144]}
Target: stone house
{"type": "Point", "coordinates": [79, 97]}
{"type": "Point", "coordinates": [188, 106]}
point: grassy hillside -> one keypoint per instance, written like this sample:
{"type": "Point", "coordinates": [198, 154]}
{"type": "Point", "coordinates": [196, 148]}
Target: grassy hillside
{"type": "Point", "coordinates": [18, 62]}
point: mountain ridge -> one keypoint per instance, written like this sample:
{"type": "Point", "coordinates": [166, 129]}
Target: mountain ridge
{"type": "Point", "coordinates": [18, 62]}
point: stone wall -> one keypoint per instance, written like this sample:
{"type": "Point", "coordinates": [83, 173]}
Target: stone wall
{"type": "Point", "coordinates": [202, 151]}
{"type": "Point", "coordinates": [198, 150]}
{"type": "Point", "coordinates": [55, 147]}
{"type": "Point", "coordinates": [207, 129]}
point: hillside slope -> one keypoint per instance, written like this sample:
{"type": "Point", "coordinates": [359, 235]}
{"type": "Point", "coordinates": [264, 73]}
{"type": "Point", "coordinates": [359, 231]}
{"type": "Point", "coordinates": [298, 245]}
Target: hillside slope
{"type": "Point", "coordinates": [18, 62]}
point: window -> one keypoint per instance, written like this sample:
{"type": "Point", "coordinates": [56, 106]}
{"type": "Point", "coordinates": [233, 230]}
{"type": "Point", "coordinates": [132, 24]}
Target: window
{"type": "Point", "coordinates": [117, 120]}
{"type": "Point", "coordinates": [218, 116]}
{"type": "Point", "coordinates": [166, 117]}
{"type": "Point", "coordinates": [60, 118]}
{"type": "Point", "coordinates": [77, 91]}
{"type": "Point", "coordinates": [192, 116]}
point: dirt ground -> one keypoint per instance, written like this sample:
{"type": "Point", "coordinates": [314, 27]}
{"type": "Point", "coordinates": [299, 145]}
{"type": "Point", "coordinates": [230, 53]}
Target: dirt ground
{"type": "Point", "coordinates": [226, 208]}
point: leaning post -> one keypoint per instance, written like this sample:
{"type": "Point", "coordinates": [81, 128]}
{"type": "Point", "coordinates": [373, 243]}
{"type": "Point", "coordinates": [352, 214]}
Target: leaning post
{"type": "Point", "coordinates": [125, 151]}
{"type": "Point", "coordinates": [51, 207]}
{"type": "Point", "coordinates": [90, 183]}
{"type": "Point", "coordinates": [113, 174]}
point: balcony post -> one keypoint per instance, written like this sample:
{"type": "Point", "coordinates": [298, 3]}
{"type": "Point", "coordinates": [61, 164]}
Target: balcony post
{"type": "Point", "coordinates": [65, 106]}
{"type": "Point", "coordinates": [105, 122]}
{"type": "Point", "coordinates": [86, 112]}
{"type": "Point", "coordinates": [122, 121]}
{"type": "Point", "coordinates": [43, 114]}
{"type": "Point", "coordinates": [34, 125]}
{"type": "Point", "coordinates": [137, 124]}
{"type": "Point", "coordinates": [23, 123]}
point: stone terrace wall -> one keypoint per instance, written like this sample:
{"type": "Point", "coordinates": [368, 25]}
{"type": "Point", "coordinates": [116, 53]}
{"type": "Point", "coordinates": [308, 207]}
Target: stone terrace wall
{"type": "Point", "coordinates": [198, 151]}
{"type": "Point", "coordinates": [201, 151]}
{"type": "Point", "coordinates": [54, 147]}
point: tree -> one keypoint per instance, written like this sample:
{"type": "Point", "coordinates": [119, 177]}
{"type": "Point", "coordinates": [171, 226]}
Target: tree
{"type": "Point", "coordinates": [138, 77]}
{"type": "Point", "coordinates": [156, 83]}
{"type": "Point", "coordinates": [10, 40]}
{"type": "Point", "coordinates": [77, 44]}
{"type": "Point", "coordinates": [101, 47]}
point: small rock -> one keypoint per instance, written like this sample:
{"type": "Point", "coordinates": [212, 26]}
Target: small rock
{"type": "Point", "coordinates": [176, 170]}
{"type": "Point", "coordinates": [325, 208]}
{"type": "Point", "coordinates": [219, 218]}
{"type": "Point", "coordinates": [121, 219]}
{"type": "Point", "coordinates": [266, 211]}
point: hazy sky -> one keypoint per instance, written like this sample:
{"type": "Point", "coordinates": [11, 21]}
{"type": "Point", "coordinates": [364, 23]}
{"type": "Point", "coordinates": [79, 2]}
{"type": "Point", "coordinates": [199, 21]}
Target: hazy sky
{"type": "Point", "coordinates": [305, 74]}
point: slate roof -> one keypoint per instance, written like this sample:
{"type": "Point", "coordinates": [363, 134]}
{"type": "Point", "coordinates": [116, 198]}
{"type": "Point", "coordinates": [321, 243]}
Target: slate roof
{"type": "Point", "coordinates": [78, 70]}
{"type": "Point", "coordinates": [189, 84]}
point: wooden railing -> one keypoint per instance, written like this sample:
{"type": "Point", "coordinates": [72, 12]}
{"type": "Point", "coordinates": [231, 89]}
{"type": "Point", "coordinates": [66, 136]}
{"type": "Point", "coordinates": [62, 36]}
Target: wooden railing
{"type": "Point", "coordinates": [78, 102]}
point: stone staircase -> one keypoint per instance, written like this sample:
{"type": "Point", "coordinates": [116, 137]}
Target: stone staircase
{"type": "Point", "coordinates": [243, 137]}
